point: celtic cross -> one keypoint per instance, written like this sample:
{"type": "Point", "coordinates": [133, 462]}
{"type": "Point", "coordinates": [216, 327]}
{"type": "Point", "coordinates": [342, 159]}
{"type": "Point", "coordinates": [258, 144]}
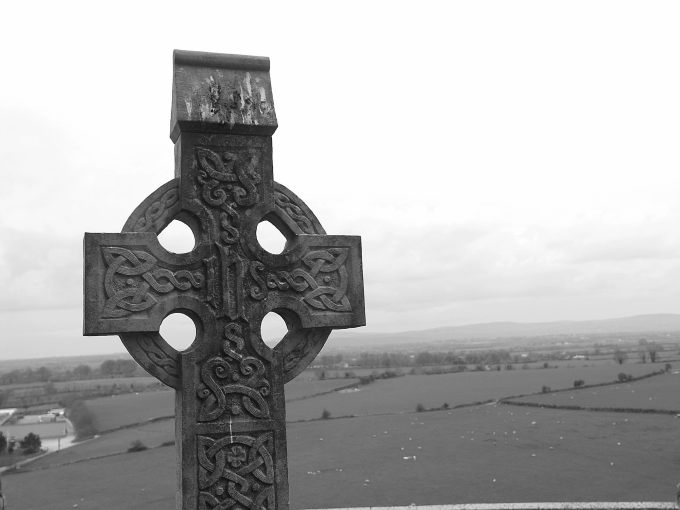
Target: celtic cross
{"type": "Point", "coordinates": [230, 411]}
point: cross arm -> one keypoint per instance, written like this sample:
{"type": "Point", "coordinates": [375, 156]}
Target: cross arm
{"type": "Point", "coordinates": [319, 278]}
{"type": "Point", "coordinates": [131, 282]}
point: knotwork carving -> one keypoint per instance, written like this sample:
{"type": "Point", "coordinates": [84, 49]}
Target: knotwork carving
{"type": "Point", "coordinates": [228, 182]}
{"type": "Point", "coordinates": [324, 284]}
{"type": "Point", "coordinates": [233, 383]}
{"type": "Point", "coordinates": [154, 349]}
{"type": "Point", "coordinates": [157, 211]}
{"type": "Point", "coordinates": [130, 276]}
{"type": "Point", "coordinates": [310, 343]}
{"type": "Point", "coordinates": [232, 269]}
{"type": "Point", "coordinates": [294, 212]}
{"type": "Point", "coordinates": [259, 290]}
{"type": "Point", "coordinates": [155, 355]}
{"type": "Point", "coordinates": [236, 471]}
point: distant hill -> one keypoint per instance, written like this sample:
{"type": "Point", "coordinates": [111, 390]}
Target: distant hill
{"type": "Point", "coordinates": [496, 332]}
{"type": "Point", "coordinates": [507, 330]}
{"type": "Point", "coordinates": [60, 362]}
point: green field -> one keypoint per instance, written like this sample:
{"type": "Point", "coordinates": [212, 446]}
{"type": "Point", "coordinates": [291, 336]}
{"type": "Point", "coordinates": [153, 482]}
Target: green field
{"type": "Point", "coordinates": [486, 453]}
{"type": "Point", "coordinates": [303, 388]}
{"type": "Point", "coordinates": [82, 385]}
{"type": "Point", "coordinates": [151, 434]}
{"type": "Point", "coordinates": [121, 410]}
{"type": "Point", "coordinates": [403, 394]}
{"type": "Point", "coordinates": [483, 454]}
{"type": "Point", "coordinates": [659, 392]}
{"type": "Point", "coordinates": [397, 395]}
{"type": "Point", "coordinates": [136, 481]}
{"type": "Point", "coordinates": [88, 384]}
{"type": "Point", "coordinates": [478, 454]}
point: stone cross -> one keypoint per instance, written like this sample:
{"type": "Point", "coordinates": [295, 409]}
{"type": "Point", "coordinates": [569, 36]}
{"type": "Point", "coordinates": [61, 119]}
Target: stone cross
{"type": "Point", "coordinates": [230, 409]}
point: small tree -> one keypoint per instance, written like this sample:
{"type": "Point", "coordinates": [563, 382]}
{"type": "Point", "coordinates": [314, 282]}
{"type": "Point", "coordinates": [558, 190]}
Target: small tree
{"type": "Point", "coordinates": [82, 419]}
{"type": "Point", "coordinates": [420, 408]}
{"type": "Point", "coordinates": [578, 383]}
{"type": "Point", "coordinates": [43, 374]}
{"type": "Point", "coordinates": [137, 446]}
{"type": "Point", "coordinates": [82, 371]}
{"type": "Point", "coordinates": [325, 414]}
{"type": "Point", "coordinates": [3, 443]}
{"type": "Point", "coordinates": [126, 367]}
{"type": "Point", "coordinates": [623, 377]}
{"type": "Point", "coordinates": [108, 368]}
{"type": "Point", "coordinates": [620, 356]}
{"type": "Point", "coordinates": [653, 350]}
{"type": "Point", "coordinates": [31, 443]}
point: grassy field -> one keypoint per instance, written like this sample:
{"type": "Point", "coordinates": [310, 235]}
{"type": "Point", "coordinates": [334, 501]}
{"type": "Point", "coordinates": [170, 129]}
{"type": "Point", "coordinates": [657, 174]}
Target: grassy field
{"type": "Point", "coordinates": [135, 481]}
{"type": "Point", "coordinates": [488, 453]}
{"type": "Point", "coordinates": [482, 454]}
{"type": "Point", "coordinates": [478, 454]}
{"type": "Point", "coordinates": [396, 395]}
{"type": "Point", "coordinates": [88, 384]}
{"type": "Point", "coordinates": [660, 392]}
{"type": "Point", "coordinates": [303, 388]}
{"type": "Point", "coordinates": [85, 384]}
{"type": "Point", "coordinates": [151, 434]}
{"type": "Point", "coordinates": [402, 394]}
{"type": "Point", "coordinates": [122, 410]}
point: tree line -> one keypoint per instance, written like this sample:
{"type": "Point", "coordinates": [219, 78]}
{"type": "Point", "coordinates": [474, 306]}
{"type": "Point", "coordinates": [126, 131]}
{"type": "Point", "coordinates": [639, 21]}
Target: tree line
{"type": "Point", "coordinates": [108, 368]}
{"type": "Point", "coordinates": [426, 358]}
{"type": "Point", "coordinates": [30, 444]}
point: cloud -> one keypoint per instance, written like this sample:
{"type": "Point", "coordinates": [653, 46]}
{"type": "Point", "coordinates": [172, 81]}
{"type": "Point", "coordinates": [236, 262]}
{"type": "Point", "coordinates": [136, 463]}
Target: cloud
{"type": "Point", "coordinates": [443, 267]}
{"type": "Point", "coordinates": [39, 270]}
{"type": "Point", "coordinates": [431, 272]}
{"type": "Point", "coordinates": [648, 241]}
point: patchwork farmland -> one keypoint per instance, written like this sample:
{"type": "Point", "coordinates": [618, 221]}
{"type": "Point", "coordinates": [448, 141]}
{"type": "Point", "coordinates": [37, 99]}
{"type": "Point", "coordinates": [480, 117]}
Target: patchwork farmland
{"type": "Point", "coordinates": [478, 454]}
{"type": "Point", "coordinates": [403, 394]}
{"type": "Point", "coordinates": [655, 393]}
{"type": "Point", "coordinates": [396, 395]}
{"type": "Point", "coordinates": [388, 454]}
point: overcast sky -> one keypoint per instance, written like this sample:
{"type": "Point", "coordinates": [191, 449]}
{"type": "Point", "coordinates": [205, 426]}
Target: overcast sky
{"type": "Point", "coordinates": [501, 160]}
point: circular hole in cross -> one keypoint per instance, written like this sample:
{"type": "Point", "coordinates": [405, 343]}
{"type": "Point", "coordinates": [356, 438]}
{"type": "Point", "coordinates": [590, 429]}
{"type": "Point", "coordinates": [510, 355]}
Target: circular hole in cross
{"type": "Point", "coordinates": [273, 329]}
{"type": "Point", "coordinates": [270, 238]}
{"type": "Point", "coordinates": [178, 330]}
{"type": "Point", "coordinates": [177, 237]}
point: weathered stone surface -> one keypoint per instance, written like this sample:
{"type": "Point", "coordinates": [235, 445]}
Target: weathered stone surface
{"type": "Point", "coordinates": [216, 93]}
{"type": "Point", "coordinates": [231, 437]}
